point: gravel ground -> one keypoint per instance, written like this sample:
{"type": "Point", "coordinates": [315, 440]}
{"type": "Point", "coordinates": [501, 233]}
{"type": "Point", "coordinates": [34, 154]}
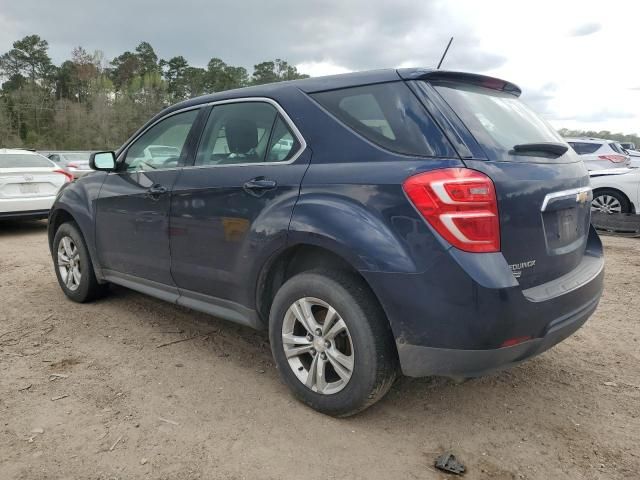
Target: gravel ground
{"type": "Point", "coordinates": [87, 391]}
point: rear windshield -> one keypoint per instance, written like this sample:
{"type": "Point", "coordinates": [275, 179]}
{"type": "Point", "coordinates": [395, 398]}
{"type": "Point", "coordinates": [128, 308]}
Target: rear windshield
{"type": "Point", "coordinates": [388, 115]}
{"type": "Point", "coordinates": [77, 157]}
{"type": "Point", "coordinates": [20, 160]}
{"type": "Point", "coordinates": [615, 147]}
{"type": "Point", "coordinates": [496, 118]}
{"type": "Point", "coordinates": [583, 148]}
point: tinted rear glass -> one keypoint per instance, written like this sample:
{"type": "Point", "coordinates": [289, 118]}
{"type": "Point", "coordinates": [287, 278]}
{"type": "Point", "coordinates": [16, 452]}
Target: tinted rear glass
{"type": "Point", "coordinates": [615, 148]}
{"type": "Point", "coordinates": [583, 148]}
{"type": "Point", "coordinates": [496, 118]}
{"type": "Point", "coordinates": [13, 160]}
{"type": "Point", "coordinates": [389, 115]}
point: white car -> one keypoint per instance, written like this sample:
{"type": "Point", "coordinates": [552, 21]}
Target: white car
{"type": "Point", "coordinates": [598, 153]}
{"type": "Point", "coordinates": [616, 190]}
{"type": "Point", "coordinates": [634, 156]}
{"type": "Point", "coordinates": [29, 183]}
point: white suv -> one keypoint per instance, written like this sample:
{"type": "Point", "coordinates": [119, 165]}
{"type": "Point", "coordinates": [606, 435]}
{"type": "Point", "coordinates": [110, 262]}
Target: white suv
{"type": "Point", "coordinates": [599, 154]}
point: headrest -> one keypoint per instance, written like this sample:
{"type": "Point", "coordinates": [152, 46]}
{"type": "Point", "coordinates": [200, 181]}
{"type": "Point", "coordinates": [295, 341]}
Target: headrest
{"type": "Point", "coordinates": [242, 135]}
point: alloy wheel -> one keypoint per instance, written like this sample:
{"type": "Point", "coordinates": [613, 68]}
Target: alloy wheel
{"type": "Point", "coordinates": [318, 345]}
{"type": "Point", "coordinates": [606, 204]}
{"type": "Point", "coordinates": [69, 264]}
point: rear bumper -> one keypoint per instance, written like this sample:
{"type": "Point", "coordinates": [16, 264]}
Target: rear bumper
{"type": "Point", "coordinates": [420, 361]}
{"type": "Point", "coordinates": [453, 319]}
{"type": "Point", "coordinates": [16, 207]}
{"type": "Point", "coordinates": [31, 214]}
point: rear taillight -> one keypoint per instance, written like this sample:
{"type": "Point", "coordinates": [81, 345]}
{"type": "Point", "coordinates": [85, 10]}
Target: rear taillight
{"type": "Point", "coordinates": [68, 176]}
{"type": "Point", "coordinates": [72, 165]}
{"type": "Point", "coordinates": [613, 158]}
{"type": "Point", "coordinates": [460, 204]}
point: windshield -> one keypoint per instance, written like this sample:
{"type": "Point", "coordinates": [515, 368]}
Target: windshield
{"type": "Point", "coordinates": [495, 117]}
{"type": "Point", "coordinates": [23, 160]}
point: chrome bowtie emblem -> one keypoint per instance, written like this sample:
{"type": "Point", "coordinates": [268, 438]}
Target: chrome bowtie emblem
{"type": "Point", "coordinates": [582, 197]}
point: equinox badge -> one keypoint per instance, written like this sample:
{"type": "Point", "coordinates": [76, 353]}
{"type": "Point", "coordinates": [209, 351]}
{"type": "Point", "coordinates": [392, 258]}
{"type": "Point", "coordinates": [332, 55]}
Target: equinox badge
{"type": "Point", "coordinates": [517, 268]}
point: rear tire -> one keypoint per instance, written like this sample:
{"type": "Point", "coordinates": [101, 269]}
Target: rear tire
{"type": "Point", "coordinates": [73, 266]}
{"type": "Point", "coordinates": [608, 200]}
{"type": "Point", "coordinates": [355, 361]}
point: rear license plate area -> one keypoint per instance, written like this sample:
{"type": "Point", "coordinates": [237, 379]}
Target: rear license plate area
{"type": "Point", "coordinates": [567, 225]}
{"type": "Point", "coordinates": [29, 188]}
{"type": "Point", "coordinates": [564, 229]}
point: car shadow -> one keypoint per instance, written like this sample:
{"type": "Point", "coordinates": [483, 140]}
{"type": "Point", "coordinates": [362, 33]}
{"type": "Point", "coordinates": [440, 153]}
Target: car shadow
{"type": "Point", "coordinates": [22, 227]}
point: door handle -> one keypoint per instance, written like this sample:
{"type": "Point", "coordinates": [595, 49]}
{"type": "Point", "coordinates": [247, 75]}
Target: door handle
{"type": "Point", "coordinates": [154, 191]}
{"type": "Point", "coordinates": [259, 185]}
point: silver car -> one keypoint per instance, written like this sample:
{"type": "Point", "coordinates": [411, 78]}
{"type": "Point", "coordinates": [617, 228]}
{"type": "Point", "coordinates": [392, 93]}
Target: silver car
{"type": "Point", "coordinates": [599, 154]}
{"type": "Point", "coordinates": [76, 163]}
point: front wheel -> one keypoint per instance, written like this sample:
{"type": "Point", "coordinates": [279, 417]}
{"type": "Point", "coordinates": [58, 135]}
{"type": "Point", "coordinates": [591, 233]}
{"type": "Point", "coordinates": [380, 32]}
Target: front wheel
{"type": "Point", "coordinates": [331, 342]}
{"type": "Point", "coordinates": [73, 265]}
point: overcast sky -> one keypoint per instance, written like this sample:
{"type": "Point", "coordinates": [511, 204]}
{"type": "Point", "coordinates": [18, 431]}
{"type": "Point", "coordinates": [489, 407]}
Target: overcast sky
{"type": "Point", "coordinates": [577, 62]}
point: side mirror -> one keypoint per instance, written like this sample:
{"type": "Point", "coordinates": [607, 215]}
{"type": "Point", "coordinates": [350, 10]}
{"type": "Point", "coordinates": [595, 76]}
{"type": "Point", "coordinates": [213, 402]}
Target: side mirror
{"type": "Point", "coordinates": [105, 161]}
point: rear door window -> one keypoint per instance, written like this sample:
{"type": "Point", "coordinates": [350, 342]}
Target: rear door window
{"type": "Point", "coordinates": [388, 115]}
{"type": "Point", "coordinates": [498, 119]}
{"type": "Point", "coordinates": [243, 133]}
{"type": "Point", "coordinates": [583, 148]}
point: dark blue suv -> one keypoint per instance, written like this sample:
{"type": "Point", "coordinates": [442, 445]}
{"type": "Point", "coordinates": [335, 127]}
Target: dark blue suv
{"type": "Point", "coordinates": [415, 221]}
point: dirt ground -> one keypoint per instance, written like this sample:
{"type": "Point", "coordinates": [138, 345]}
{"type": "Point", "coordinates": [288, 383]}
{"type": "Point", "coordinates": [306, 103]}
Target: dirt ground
{"type": "Point", "coordinates": [87, 392]}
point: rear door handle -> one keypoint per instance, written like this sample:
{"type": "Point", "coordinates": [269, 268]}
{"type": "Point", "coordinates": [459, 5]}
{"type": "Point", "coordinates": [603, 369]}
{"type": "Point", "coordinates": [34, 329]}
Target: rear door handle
{"type": "Point", "coordinates": [259, 185]}
{"type": "Point", "coordinates": [156, 190]}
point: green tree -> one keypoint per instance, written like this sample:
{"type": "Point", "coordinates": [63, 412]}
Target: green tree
{"type": "Point", "coordinates": [147, 59]}
{"type": "Point", "coordinates": [28, 57]}
{"type": "Point", "coordinates": [275, 71]}
{"type": "Point", "coordinates": [221, 76]}
{"type": "Point", "coordinates": [174, 71]}
{"type": "Point", "coordinates": [124, 68]}
{"type": "Point", "coordinates": [89, 103]}
{"type": "Point", "coordinates": [195, 80]}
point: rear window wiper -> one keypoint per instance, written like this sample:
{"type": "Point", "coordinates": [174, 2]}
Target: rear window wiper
{"type": "Point", "coordinates": [548, 148]}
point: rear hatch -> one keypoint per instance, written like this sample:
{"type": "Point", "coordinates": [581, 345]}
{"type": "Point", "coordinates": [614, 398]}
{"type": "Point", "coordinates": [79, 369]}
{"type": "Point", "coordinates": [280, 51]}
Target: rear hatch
{"type": "Point", "coordinates": [541, 184]}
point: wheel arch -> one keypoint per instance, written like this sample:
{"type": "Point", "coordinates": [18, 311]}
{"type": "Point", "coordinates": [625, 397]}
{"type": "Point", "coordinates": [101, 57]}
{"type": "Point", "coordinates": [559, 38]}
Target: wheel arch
{"type": "Point", "coordinates": [57, 218]}
{"type": "Point", "coordinates": [296, 259]}
{"type": "Point", "coordinates": [61, 215]}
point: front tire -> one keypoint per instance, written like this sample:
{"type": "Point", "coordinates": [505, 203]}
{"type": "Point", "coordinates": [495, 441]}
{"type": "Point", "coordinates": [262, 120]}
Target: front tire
{"type": "Point", "coordinates": [73, 265]}
{"type": "Point", "coordinates": [331, 342]}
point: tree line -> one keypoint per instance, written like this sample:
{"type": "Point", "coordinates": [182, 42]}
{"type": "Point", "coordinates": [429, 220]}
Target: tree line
{"type": "Point", "coordinates": [89, 102]}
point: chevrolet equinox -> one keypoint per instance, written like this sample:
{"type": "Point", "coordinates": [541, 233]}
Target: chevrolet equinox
{"type": "Point", "coordinates": [412, 221]}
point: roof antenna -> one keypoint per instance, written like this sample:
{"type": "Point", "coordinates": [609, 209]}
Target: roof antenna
{"type": "Point", "coordinates": [445, 53]}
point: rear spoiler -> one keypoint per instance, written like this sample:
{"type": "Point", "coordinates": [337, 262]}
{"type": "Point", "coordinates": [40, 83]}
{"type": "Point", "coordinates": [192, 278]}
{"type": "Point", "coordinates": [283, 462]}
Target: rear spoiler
{"type": "Point", "coordinates": [461, 77]}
